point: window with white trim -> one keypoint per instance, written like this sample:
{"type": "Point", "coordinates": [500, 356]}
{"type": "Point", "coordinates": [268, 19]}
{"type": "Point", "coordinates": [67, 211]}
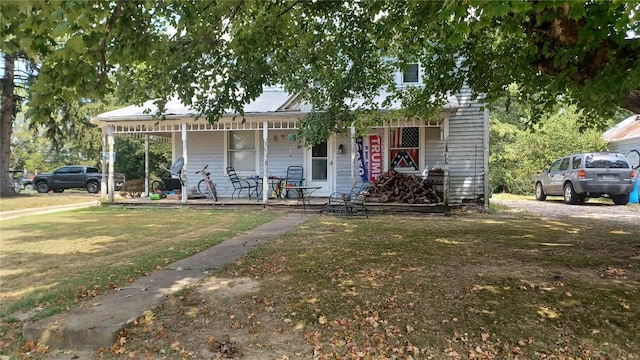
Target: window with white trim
{"type": "Point", "coordinates": [411, 74]}
{"type": "Point", "coordinates": [242, 151]}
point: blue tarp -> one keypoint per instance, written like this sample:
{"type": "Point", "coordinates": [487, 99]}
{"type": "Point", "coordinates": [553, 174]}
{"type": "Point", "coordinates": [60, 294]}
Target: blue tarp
{"type": "Point", "coordinates": [633, 198]}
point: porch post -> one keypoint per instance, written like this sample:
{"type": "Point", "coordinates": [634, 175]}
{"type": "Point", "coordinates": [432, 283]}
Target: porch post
{"type": "Point", "coordinates": [265, 162]}
{"type": "Point", "coordinates": [111, 184]}
{"type": "Point", "coordinates": [485, 173]}
{"type": "Point", "coordinates": [183, 174]}
{"type": "Point", "coordinates": [445, 179]}
{"type": "Point", "coordinates": [103, 162]}
{"type": "Point", "coordinates": [146, 165]}
{"type": "Point", "coordinates": [354, 171]}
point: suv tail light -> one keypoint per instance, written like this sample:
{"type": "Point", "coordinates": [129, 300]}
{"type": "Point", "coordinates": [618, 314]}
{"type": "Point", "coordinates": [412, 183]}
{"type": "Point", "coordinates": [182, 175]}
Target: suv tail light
{"type": "Point", "coordinates": [582, 174]}
{"type": "Point", "coordinates": [633, 174]}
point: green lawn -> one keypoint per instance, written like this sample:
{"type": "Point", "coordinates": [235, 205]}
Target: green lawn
{"type": "Point", "coordinates": [30, 200]}
{"type": "Point", "coordinates": [477, 286]}
{"type": "Point", "coordinates": [474, 286]}
{"type": "Point", "coordinates": [53, 261]}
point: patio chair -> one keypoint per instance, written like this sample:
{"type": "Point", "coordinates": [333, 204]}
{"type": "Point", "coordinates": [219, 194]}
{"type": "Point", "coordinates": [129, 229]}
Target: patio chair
{"type": "Point", "coordinates": [295, 177]}
{"type": "Point", "coordinates": [337, 199]}
{"type": "Point", "coordinates": [241, 184]}
{"type": "Point", "coordinates": [357, 204]}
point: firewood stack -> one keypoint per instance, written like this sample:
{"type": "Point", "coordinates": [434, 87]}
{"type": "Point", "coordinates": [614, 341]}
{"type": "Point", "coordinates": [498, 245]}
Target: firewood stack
{"type": "Point", "coordinates": [395, 187]}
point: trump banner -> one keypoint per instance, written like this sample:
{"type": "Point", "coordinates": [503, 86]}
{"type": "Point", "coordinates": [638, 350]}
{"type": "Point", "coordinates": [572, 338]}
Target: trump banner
{"type": "Point", "coordinates": [369, 156]}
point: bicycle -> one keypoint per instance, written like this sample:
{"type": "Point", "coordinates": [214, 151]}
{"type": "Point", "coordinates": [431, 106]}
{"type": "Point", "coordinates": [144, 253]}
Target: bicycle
{"type": "Point", "coordinates": [206, 186]}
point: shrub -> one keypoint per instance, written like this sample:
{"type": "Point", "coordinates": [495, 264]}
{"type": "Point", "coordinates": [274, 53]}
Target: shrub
{"type": "Point", "coordinates": [132, 188]}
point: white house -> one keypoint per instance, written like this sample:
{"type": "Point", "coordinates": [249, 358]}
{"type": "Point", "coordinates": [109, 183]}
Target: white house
{"type": "Point", "coordinates": [624, 138]}
{"type": "Point", "coordinates": [457, 141]}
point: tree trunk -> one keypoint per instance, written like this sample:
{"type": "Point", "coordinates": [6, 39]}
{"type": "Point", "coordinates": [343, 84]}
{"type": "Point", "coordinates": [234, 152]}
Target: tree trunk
{"type": "Point", "coordinates": [6, 126]}
{"type": "Point", "coordinates": [632, 101]}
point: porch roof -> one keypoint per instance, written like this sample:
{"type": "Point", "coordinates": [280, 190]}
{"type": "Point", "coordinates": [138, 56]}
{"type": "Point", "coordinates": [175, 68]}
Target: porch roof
{"type": "Point", "coordinates": [271, 102]}
{"type": "Point", "coordinates": [628, 129]}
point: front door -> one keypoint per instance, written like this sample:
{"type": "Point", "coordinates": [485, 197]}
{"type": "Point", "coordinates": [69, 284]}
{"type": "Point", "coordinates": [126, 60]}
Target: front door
{"type": "Point", "coordinates": [318, 169]}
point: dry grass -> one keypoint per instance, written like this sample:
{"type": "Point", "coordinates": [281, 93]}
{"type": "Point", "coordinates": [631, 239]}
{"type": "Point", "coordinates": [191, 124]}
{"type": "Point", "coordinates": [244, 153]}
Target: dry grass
{"type": "Point", "coordinates": [430, 287]}
{"type": "Point", "coordinates": [474, 287]}
{"type": "Point", "coordinates": [34, 200]}
{"type": "Point", "coordinates": [53, 261]}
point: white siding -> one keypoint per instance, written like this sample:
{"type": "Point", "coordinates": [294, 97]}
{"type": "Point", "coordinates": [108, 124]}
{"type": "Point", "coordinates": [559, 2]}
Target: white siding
{"type": "Point", "coordinates": [625, 146]}
{"type": "Point", "coordinates": [343, 166]}
{"type": "Point", "coordinates": [282, 152]}
{"type": "Point", "coordinates": [207, 148]}
{"type": "Point", "coordinates": [466, 150]}
{"type": "Point", "coordinates": [434, 149]}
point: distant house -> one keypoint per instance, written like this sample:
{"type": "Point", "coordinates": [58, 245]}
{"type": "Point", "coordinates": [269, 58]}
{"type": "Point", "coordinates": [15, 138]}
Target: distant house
{"type": "Point", "coordinates": [456, 141]}
{"type": "Point", "coordinates": [625, 139]}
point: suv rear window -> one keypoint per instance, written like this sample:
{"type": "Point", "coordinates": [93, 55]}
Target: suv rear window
{"type": "Point", "coordinates": [600, 161]}
{"type": "Point", "coordinates": [577, 161]}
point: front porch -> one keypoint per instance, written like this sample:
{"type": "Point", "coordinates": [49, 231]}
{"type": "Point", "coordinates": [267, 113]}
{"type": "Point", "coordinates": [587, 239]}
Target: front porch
{"type": "Point", "coordinates": [317, 205]}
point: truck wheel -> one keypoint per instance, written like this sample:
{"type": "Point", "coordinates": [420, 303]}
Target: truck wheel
{"type": "Point", "coordinates": [28, 187]}
{"type": "Point", "coordinates": [93, 187]}
{"type": "Point", "coordinates": [42, 187]}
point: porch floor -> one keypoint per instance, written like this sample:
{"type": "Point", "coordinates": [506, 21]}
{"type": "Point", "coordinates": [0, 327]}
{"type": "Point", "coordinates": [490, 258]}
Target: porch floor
{"type": "Point", "coordinates": [316, 205]}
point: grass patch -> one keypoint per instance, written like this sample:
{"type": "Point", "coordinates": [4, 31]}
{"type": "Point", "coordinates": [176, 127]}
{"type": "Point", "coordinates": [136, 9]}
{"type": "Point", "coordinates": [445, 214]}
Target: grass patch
{"type": "Point", "coordinates": [32, 200]}
{"type": "Point", "coordinates": [450, 287]}
{"type": "Point", "coordinates": [426, 287]}
{"type": "Point", "coordinates": [53, 261]}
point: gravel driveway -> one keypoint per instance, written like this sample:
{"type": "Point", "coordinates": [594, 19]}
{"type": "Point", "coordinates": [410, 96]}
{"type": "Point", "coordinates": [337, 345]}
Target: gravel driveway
{"type": "Point", "coordinates": [554, 209]}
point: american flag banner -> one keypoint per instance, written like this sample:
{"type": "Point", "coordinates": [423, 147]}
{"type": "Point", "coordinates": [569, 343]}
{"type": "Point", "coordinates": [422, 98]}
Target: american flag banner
{"type": "Point", "coordinates": [405, 138]}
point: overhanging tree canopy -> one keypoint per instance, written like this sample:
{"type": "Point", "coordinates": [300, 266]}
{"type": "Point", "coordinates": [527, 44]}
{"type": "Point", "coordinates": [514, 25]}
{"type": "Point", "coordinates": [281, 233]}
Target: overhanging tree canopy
{"type": "Point", "coordinates": [219, 55]}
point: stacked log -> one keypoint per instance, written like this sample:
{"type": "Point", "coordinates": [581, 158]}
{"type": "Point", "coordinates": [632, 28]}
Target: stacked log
{"type": "Point", "coordinates": [395, 187]}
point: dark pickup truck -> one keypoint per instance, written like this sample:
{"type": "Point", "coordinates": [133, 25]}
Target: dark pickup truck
{"type": "Point", "coordinates": [73, 177]}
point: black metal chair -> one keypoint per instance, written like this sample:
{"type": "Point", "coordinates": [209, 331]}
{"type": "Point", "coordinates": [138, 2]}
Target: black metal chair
{"type": "Point", "coordinates": [240, 184]}
{"type": "Point", "coordinates": [295, 177]}
{"type": "Point", "coordinates": [337, 200]}
{"type": "Point", "coordinates": [357, 204]}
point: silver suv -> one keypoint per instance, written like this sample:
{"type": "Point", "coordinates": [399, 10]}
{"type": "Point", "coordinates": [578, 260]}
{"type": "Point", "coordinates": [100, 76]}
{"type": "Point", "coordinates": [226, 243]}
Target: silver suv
{"type": "Point", "coordinates": [589, 175]}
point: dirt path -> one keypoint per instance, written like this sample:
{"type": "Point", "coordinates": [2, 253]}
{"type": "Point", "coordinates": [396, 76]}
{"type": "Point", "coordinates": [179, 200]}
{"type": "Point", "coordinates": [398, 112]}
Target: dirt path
{"type": "Point", "coordinates": [554, 209]}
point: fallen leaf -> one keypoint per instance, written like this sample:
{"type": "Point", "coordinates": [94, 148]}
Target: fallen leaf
{"type": "Point", "coordinates": [409, 329]}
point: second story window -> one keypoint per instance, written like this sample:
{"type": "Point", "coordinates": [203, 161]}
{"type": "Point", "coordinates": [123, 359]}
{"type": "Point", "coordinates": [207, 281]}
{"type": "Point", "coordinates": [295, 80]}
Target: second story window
{"type": "Point", "coordinates": [410, 74]}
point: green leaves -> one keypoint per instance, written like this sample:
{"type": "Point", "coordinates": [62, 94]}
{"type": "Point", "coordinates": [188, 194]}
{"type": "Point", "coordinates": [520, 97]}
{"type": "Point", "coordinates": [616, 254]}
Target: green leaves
{"type": "Point", "coordinates": [231, 49]}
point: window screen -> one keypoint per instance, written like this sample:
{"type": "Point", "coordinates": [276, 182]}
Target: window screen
{"type": "Point", "coordinates": [410, 74]}
{"type": "Point", "coordinates": [242, 151]}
